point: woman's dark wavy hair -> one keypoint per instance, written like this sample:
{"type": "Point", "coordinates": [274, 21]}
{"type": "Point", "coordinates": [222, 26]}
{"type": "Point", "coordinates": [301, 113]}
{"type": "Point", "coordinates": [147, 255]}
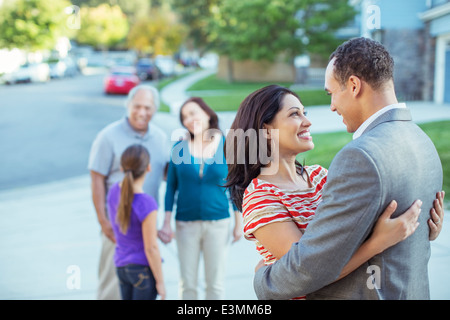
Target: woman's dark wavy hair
{"type": "Point", "coordinates": [257, 109]}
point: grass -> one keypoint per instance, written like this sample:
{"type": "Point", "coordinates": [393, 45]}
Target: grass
{"type": "Point", "coordinates": [439, 132]}
{"type": "Point", "coordinates": [327, 146]}
{"type": "Point", "coordinates": [221, 95]}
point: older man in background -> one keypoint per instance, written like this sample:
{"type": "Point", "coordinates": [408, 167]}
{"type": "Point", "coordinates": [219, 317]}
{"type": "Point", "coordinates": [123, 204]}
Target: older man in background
{"type": "Point", "coordinates": [104, 165]}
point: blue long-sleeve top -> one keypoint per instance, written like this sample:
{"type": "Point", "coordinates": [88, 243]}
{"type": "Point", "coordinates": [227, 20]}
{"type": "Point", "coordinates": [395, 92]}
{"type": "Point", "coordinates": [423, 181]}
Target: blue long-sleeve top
{"type": "Point", "coordinates": [197, 197]}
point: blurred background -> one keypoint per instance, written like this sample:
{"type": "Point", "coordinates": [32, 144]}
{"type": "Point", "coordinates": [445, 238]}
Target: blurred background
{"type": "Point", "coordinates": [287, 41]}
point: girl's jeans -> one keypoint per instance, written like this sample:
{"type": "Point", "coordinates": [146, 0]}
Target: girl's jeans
{"type": "Point", "coordinates": [136, 282]}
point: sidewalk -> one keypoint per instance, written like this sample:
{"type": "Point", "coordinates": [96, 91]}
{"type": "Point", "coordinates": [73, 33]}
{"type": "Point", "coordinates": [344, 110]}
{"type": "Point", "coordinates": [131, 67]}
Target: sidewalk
{"type": "Point", "coordinates": [175, 94]}
{"type": "Point", "coordinates": [50, 241]}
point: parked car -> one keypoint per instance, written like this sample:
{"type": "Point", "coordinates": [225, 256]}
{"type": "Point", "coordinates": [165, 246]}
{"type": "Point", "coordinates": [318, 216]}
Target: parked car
{"type": "Point", "coordinates": [147, 70]}
{"type": "Point", "coordinates": [166, 64]}
{"type": "Point", "coordinates": [30, 72]}
{"type": "Point", "coordinates": [63, 68]}
{"type": "Point", "coordinates": [121, 80]}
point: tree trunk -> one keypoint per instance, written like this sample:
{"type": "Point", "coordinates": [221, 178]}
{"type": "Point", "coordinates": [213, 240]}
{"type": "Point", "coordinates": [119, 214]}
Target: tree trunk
{"type": "Point", "coordinates": [230, 76]}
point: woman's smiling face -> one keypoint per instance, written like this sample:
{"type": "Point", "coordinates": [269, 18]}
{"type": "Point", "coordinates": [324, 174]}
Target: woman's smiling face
{"type": "Point", "coordinates": [293, 127]}
{"type": "Point", "coordinates": [195, 119]}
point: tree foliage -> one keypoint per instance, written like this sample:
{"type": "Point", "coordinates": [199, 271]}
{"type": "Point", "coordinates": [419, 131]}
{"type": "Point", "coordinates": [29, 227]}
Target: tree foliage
{"type": "Point", "coordinates": [103, 26]}
{"type": "Point", "coordinates": [132, 9]}
{"type": "Point", "coordinates": [32, 24]}
{"type": "Point", "coordinates": [157, 33]}
{"type": "Point", "coordinates": [198, 16]}
{"type": "Point", "coordinates": [255, 29]}
{"type": "Point", "coordinates": [262, 30]}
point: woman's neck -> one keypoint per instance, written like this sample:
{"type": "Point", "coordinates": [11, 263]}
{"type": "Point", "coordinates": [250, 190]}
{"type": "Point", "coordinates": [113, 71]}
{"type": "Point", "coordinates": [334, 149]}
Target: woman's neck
{"type": "Point", "coordinates": [283, 173]}
{"type": "Point", "coordinates": [202, 146]}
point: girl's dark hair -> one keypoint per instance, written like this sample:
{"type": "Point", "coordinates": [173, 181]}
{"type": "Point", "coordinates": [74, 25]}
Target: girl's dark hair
{"type": "Point", "coordinates": [257, 109]}
{"type": "Point", "coordinates": [134, 161]}
{"type": "Point", "coordinates": [213, 118]}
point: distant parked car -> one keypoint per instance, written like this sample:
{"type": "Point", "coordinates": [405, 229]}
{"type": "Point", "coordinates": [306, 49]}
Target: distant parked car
{"type": "Point", "coordinates": [30, 72]}
{"type": "Point", "coordinates": [121, 80]}
{"type": "Point", "coordinates": [63, 68]}
{"type": "Point", "coordinates": [166, 64]}
{"type": "Point", "coordinates": [147, 70]}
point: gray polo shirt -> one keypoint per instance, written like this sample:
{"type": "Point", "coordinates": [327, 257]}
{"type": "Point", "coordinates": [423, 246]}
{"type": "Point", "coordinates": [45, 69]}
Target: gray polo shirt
{"type": "Point", "coordinates": [110, 143]}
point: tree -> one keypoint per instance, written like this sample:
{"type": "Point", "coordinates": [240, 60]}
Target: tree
{"type": "Point", "coordinates": [32, 25]}
{"type": "Point", "coordinates": [262, 30]}
{"type": "Point", "coordinates": [132, 9]}
{"type": "Point", "coordinates": [103, 27]}
{"type": "Point", "coordinates": [158, 33]}
{"type": "Point", "coordinates": [198, 16]}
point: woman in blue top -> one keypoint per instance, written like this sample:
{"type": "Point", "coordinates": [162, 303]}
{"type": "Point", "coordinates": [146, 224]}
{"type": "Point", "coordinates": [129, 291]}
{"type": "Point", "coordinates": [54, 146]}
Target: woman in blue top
{"type": "Point", "coordinates": [195, 178]}
{"type": "Point", "coordinates": [133, 218]}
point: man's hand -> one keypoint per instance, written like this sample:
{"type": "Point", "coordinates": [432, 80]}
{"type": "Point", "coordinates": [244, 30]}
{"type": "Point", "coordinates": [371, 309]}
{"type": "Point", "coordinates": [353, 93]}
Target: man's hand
{"type": "Point", "coordinates": [107, 230]}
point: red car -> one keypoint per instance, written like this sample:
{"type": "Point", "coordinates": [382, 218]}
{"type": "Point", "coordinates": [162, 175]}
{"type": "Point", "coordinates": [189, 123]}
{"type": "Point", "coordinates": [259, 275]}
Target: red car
{"type": "Point", "coordinates": [121, 80]}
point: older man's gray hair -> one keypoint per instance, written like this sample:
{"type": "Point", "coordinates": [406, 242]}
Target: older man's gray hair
{"type": "Point", "coordinates": [151, 89]}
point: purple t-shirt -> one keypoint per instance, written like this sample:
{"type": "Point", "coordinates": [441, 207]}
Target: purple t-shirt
{"type": "Point", "coordinates": [130, 246]}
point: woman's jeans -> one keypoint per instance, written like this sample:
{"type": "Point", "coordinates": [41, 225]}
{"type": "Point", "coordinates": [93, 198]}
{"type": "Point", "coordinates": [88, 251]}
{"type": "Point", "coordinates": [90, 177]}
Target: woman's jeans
{"type": "Point", "coordinates": [136, 282]}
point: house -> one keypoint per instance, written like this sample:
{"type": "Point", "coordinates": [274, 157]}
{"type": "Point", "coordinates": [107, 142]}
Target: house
{"type": "Point", "coordinates": [437, 25]}
{"type": "Point", "coordinates": [417, 34]}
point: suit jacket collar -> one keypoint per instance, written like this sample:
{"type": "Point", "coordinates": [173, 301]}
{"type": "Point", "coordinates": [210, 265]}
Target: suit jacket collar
{"type": "Point", "coordinates": [402, 114]}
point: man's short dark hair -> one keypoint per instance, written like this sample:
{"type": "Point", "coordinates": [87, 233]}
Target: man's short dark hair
{"type": "Point", "coordinates": [365, 58]}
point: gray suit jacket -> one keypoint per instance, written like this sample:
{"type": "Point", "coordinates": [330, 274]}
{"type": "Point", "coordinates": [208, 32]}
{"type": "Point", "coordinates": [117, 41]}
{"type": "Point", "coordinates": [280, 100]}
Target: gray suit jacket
{"type": "Point", "coordinates": [393, 160]}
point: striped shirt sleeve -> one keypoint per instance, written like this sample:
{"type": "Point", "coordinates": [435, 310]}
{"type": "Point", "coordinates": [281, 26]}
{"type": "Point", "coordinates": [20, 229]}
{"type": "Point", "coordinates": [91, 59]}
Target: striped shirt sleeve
{"type": "Point", "coordinates": [260, 207]}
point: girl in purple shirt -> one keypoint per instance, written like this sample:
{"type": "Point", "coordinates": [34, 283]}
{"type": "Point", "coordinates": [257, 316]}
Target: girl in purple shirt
{"type": "Point", "coordinates": [133, 218]}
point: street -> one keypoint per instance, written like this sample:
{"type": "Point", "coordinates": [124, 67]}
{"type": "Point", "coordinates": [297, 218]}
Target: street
{"type": "Point", "coordinates": [46, 129]}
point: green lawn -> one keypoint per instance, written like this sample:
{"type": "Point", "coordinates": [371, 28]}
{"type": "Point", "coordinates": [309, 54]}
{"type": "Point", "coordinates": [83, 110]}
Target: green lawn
{"type": "Point", "coordinates": [328, 144]}
{"type": "Point", "coordinates": [214, 83]}
{"type": "Point", "coordinates": [224, 96]}
{"type": "Point", "coordinates": [439, 132]}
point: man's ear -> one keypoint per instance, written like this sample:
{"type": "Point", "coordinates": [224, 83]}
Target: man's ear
{"type": "Point", "coordinates": [354, 84]}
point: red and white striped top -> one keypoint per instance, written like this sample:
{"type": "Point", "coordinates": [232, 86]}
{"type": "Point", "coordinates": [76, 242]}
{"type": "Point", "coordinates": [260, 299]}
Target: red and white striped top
{"type": "Point", "coordinates": [265, 203]}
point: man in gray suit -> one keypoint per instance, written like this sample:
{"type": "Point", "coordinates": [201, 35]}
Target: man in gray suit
{"type": "Point", "coordinates": [389, 159]}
